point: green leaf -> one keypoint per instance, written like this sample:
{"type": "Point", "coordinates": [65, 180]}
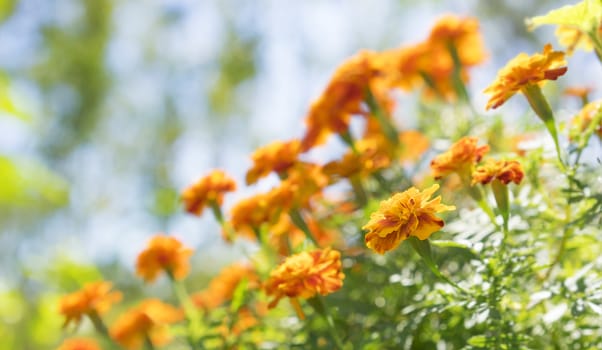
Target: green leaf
{"type": "Point", "coordinates": [478, 341]}
{"type": "Point", "coordinates": [238, 297]}
{"type": "Point", "coordinates": [7, 103]}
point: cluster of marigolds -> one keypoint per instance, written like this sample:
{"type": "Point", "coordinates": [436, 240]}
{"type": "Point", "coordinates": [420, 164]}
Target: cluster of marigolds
{"type": "Point", "coordinates": [289, 218]}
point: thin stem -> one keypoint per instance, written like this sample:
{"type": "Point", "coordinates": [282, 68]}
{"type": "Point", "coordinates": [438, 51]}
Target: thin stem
{"type": "Point", "coordinates": [385, 123]}
{"type": "Point", "coordinates": [360, 193]}
{"type": "Point", "coordinates": [298, 220]}
{"type": "Point", "coordinates": [318, 304]}
{"type": "Point", "coordinates": [101, 328]}
{"type": "Point", "coordinates": [189, 310]}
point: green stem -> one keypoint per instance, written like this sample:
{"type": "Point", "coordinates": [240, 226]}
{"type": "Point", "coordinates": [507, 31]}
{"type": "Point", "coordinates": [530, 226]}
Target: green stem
{"type": "Point", "coordinates": [298, 220]}
{"type": "Point", "coordinates": [348, 139]}
{"type": "Point", "coordinates": [217, 212]}
{"type": "Point", "coordinates": [541, 107]}
{"type": "Point", "coordinates": [101, 328]}
{"type": "Point", "coordinates": [148, 344]}
{"type": "Point", "coordinates": [318, 304]}
{"type": "Point", "coordinates": [388, 128]}
{"type": "Point", "coordinates": [360, 193]}
{"type": "Point", "coordinates": [189, 310]}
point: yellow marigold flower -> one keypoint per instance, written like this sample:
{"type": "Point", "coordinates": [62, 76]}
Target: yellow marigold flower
{"type": "Point", "coordinates": [163, 253]}
{"type": "Point", "coordinates": [460, 158]}
{"type": "Point", "coordinates": [277, 157]}
{"type": "Point", "coordinates": [221, 288]}
{"type": "Point", "coordinates": [505, 171]}
{"type": "Point", "coordinates": [210, 188]}
{"type": "Point", "coordinates": [94, 298]}
{"type": "Point", "coordinates": [409, 213]}
{"type": "Point", "coordinates": [524, 70]}
{"type": "Point", "coordinates": [249, 214]}
{"type": "Point", "coordinates": [341, 99]}
{"type": "Point", "coordinates": [149, 320]}
{"type": "Point", "coordinates": [584, 119]}
{"type": "Point", "coordinates": [572, 38]}
{"type": "Point", "coordinates": [304, 275]}
{"type": "Point", "coordinates": [79, 344]}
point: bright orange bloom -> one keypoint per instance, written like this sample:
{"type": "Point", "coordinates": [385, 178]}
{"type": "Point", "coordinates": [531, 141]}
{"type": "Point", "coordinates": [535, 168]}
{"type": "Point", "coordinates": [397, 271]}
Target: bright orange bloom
{"type": "Point", "coordinates": [94, 298]}
{"type": "Point", "coordinates": [578, 91]}
{"type": "Point", "coordinates": [413, 145]}
{"type": "Point", "coordinates": [277, 157]}
{"type": "Point", "coordinates": [584, 119]}
{"type": "Point", "coordinates": [409, 213]}
{"type": "Point", "coordinates": [503, 170]}
{"type": "Point", "coordinates": [463, 34]}
{"type": "Point", "coordinates": [304, 182]}
{"type": "Point", "coordinates": [370, 157]}
{"type": "Point", "coordinates": [304, 275]}
{"type": "Point", "coordinates": [79, 344]}
{"type": "Point", "coordinates": [210, 188]}
{"type": "Point", "coordinates": [149, 319]}
{"type": "Point", "coordinates": [525, 70]}
{"type": "Point", "coordinates": [163, 253]}
{"type": "Point", "coordinates": [342, 98]}
{"type": "Point", "coordinates": [221, 288]}
{"type": "Point", "coordinates": [460, 158]}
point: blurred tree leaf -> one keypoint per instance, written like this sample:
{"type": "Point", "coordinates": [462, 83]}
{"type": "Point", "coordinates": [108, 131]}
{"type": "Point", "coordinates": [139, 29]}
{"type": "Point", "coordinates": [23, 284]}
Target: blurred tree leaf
{"type": "Point", "coordinates": [30, 184]}
{"type": "Point", "coordinates": [7, 105]}
{"type": "Point", "coordinates": [7, 7]}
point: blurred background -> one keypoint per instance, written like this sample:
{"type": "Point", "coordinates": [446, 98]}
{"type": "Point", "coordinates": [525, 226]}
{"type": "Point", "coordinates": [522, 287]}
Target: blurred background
{"type": "Point", "coordinates": [109, 108]}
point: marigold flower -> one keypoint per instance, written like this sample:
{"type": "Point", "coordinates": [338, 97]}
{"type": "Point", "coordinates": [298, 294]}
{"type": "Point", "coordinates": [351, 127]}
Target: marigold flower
{"type": "Point", "coordinates": [221, 288]}
{"type": "Point", "coordinates": [277, 156]}
{"type": "Point", "coordinates": [370, 157]}
{"type": "Point", "coordinates": [460, 158]}
{"type": "Point", "coordinates": [578, 91]}
{"type": "Point", "coordinates": [249, 214]}
{"type": "Point", "coordinates": [163, 253]}
{"type": "Point", "coordinates": [409, 213]}
{"type": "Point", "coordinates": [524, 70]}
{"type": "Point", "coordinates": [582, 121]}
{"type": "Point", "coordinates": [150, 319]}
{"type": "Point", "coordinates": [79, 344]}
{"type": "Point", "coordinates": [505, 171]}
{"type": "Point", "coordinates": [94, 298]}
{"type": "Point", "coordinates": [304, 275]}
{"type": "Point", "coordinates": [210, 188]}
{"type": "Point", "coordinates": [573, 38]}
{"type": "Point", "coordinates": [342, 98]}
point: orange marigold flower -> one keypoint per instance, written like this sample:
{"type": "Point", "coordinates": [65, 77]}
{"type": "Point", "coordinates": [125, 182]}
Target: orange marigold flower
{"type": "Point", "coordinates": [163, 253]}
{"type": "Point", "coordinates": [584, 119]}
{"type": "Point", "coordinates": [149, 320]}
{"type": "Point", "coordinates": [221, 288]}
{"type": "Point", "coordinates": [277, 156]}
{"type": "Point", "coordinates": [93, 299]}
{"type": "Point", "coordinates": [210, 188]}
{"type": "Point", "coordinates": [524, 70]}
{"type": "Point", "coordinates": [341, 99]}
{"type": "Point", "coordinates": [573, 38]}
{"type": "Point", "coordinates": [413, 144]}
{"type": "Point", "coordinates": [306, 274]}
{"type": "Point", "coordinates": [371, 156]}
{"type": "Point", "coordinates": [578, 91]}
{"type": "Point", "coordinates": [460, 158]}
{"type": "Point", "coordinates": [505, 171]}
{"type": "Point", "coordinates": [409, 213]}
{"type": "Point", "coordinates": [463, 34]}
{"type": "Point", "coordinates": [79, 344]}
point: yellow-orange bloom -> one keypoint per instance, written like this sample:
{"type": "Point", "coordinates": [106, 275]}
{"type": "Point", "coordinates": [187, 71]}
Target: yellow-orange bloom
{"type": "Point", "coordinates": [277, 157]}
{"type": "Point", "coordinates": [505, 171]}
{"type": "Point", "coordinates": [79, 344]}
{"type": "Point", "coordinates": [342, 98]}
{"type": "Point", "coordinates": [573, 38]}
{"type": "Point", "coordinates": [149, 320]}
{"type": "Point", "coordinates": [94, 298]}
{"type": "Point", "coordinates": [221, 288]}
{"type": "Point", "coordinates": [304, 275]}
{"type": "Point", "coordinates": [460, 158]}
{"type": "Point", "coordinates": [409, 213]}
{"type": "Point", "coordinates": [525, 70]}
{"type": "Point", "coordinates": [210, 188]}
{"type": "Point", "coordinates": [163, 253]}
{"type": "Point", "coordinates": [584, 119]}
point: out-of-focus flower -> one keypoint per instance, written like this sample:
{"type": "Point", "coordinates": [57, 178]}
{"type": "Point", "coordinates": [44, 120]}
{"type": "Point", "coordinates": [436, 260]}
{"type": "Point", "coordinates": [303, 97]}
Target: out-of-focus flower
{"type": "Point", "coordinates": [221, 288]}
{"type": "Point", "coordinates": [79, 344]}
{"type": "Point", "coordinates": [150, 319]}
{"type": "Point", "coordinates": [342, 98]}
{"type": "Point", "coordinates": [505, 171]}
{"type": "Point", "coordinates": [277, 157]}
{"type": "Point", "coordinates": [163, 253]}
{"type": "Point", "coordinates": [525, 70]}
{"type": "Point", "coordinates": [460, 158]}
{"type": "Point", "coordinates": [572, 38]}
{"type": "Point", "coordinates": [413, 144]}
{"type": "Point", "coordinates": [94, 298]}
{"type": "Point", "coordinates": [304, 275]}
{"type": "Point", "coordinates": [583, 120]}
{"type": "Point", "coordinates": [370, 157]}
{"type": "Point", "coordinates": [210, 189]}
{"type": "Point", "coordinates": [405, 214]}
